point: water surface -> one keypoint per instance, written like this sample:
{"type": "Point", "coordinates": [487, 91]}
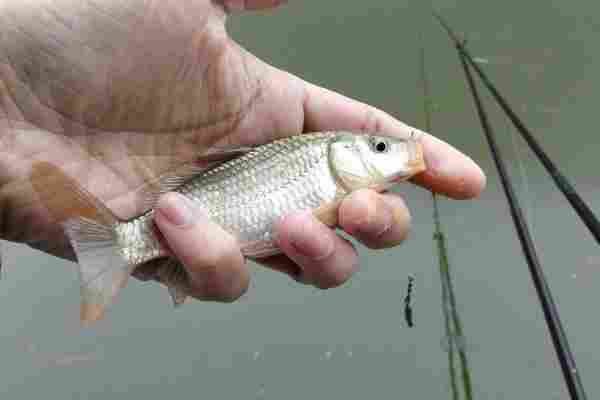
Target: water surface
{"type": "Point", "coordinates": [284, 341]}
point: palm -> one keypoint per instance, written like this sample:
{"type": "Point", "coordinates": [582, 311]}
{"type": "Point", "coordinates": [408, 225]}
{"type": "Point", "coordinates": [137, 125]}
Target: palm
{"type": "Point", "coordinates": [118, 94]}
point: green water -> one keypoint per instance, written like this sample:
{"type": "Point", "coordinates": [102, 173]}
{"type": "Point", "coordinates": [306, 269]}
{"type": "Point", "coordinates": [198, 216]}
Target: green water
{"type": "Point", "coordinates": [284, 341]}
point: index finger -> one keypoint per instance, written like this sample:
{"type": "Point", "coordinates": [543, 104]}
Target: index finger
{"type": "Point", "coordinates": [449, 171]}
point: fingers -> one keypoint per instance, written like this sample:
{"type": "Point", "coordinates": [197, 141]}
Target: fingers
{"type": "Point", "coordinates": [211, 256]}
{"type": "Point", "coordinates": [239, 5]}
{"type": "Point", "coordinates": [324, 259]}
{"type": "Point", "coordinates": [448, 170]}
{"type": "Point", "coordinates": [378, 221]}
{"type": "Point", "coordinates": [313, 253]}
{"type": "Point", "coordinates": [283, 264]}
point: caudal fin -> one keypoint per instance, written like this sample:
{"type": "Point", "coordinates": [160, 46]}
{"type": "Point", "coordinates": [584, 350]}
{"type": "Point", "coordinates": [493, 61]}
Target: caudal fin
{"type": "Point", "coordinates": [90, 227]}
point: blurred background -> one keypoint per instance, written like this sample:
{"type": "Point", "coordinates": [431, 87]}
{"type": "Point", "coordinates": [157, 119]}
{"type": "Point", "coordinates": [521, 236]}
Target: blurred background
{"type": "Point", "coordinates": [284, 341]}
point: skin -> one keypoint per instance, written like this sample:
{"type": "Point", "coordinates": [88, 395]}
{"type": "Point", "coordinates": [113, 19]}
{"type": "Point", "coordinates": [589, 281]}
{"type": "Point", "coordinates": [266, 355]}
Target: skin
{"type": "Point", "coordinates": [117, 92]}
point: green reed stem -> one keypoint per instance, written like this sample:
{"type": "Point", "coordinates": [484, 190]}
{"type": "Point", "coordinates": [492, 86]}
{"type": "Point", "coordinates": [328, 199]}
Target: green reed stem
{"type": "Point", "coordinates": [457, 337]}
{"type": "Point", "coordinates": [453, 324]}
{"type": "Point", "coordinates": [447, 320]}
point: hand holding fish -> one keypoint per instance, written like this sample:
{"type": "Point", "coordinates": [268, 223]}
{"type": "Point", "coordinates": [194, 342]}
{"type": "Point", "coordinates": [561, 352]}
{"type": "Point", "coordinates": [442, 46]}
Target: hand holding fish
{"type": "Point", "coordinates": [102, 99]}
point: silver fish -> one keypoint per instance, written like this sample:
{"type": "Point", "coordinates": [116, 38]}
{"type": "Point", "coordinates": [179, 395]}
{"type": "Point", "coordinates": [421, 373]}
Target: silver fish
{"type": "Point", "coordinates": [246, 196]}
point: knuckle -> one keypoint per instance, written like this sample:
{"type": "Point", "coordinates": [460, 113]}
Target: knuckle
{"type": "Point", "coordinates": [371, 120]}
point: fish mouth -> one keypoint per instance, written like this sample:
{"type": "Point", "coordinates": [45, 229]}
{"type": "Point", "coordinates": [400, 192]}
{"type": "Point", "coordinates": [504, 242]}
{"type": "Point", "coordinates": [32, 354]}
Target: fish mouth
{"type": "Point", "coordinates": [417, 164]}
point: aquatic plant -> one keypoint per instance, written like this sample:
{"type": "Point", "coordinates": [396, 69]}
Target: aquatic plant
{"type": "Point", "coordinates": [454, 333]}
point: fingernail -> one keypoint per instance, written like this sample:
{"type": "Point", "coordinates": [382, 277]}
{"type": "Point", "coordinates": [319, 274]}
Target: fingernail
{"type": "Point", "coordinates": [176, 209]}
{"type": "Point", "coordinates": [304, 242]}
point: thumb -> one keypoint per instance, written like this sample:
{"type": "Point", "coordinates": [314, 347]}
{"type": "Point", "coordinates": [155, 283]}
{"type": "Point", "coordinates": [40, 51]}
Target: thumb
{"type": "Point", "coordinates": [239, 5]}
{"type": "Point", "coordinates": [211, 256]}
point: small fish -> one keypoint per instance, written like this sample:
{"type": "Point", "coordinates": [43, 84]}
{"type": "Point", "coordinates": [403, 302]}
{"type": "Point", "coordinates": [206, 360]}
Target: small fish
{"type": "Point", "coordinates": [408, 310]}
{"type": "Point", "coordinates": [246, 195]}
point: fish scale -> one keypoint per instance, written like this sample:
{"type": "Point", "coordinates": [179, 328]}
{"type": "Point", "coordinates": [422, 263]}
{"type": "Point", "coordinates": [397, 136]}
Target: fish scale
{"type": "Point", "coordinates": [247, 195]}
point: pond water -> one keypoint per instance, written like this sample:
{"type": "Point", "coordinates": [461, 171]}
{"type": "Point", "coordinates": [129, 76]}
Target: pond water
{"type": "Point", "coordinates": [284, 341]}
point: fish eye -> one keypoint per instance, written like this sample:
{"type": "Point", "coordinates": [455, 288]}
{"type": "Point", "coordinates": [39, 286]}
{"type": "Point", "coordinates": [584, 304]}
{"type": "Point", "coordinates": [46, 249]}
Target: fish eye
{"type": "Point", "coordinates": [380, 146]}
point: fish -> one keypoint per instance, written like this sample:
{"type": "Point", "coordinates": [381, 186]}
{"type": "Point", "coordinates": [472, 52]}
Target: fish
{"type": "Point", "coordinates": [408, 305]}
{"type": "Point", "coordinates": [245, 194]}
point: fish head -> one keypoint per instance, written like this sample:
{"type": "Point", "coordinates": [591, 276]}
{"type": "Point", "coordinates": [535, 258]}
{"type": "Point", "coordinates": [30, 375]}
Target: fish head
{"type": "Point", "coordinates": [374, 161]}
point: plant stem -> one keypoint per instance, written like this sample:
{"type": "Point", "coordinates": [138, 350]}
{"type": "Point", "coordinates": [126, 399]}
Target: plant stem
{"type": "Point", "coordinates": [453, 324]}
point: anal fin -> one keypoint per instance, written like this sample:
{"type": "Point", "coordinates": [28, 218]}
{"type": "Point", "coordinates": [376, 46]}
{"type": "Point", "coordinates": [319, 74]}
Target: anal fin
{"type": "Point", "coordinates": [173, 275]}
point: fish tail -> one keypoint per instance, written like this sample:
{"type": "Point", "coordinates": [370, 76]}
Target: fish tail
{"type": "Point", "coordinates": [103, 272]}
{"type": "Point", "coordinates": [91, 229]}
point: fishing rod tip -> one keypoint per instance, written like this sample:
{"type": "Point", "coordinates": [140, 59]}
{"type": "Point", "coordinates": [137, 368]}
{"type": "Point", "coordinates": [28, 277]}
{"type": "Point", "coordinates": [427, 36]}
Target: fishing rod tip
{"type": "Point", "coordinates": [460, 42]}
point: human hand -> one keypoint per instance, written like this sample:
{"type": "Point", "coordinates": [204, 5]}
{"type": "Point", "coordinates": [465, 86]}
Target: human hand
{"type": "Point", "coordinates": [117, 92]}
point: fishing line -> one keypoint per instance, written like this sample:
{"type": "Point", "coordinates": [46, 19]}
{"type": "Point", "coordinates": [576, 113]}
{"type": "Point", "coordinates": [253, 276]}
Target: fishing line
{"type": "Point", "coordinates": [525, 188]}
{"type": "Point", "coordinates": [562, 183]}
{"type": "Point", "coordinates": [557, 333]}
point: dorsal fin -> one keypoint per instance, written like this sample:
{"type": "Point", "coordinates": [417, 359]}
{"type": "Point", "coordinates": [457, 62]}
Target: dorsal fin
{"type": "Point", "coordinates": [182, 173]}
